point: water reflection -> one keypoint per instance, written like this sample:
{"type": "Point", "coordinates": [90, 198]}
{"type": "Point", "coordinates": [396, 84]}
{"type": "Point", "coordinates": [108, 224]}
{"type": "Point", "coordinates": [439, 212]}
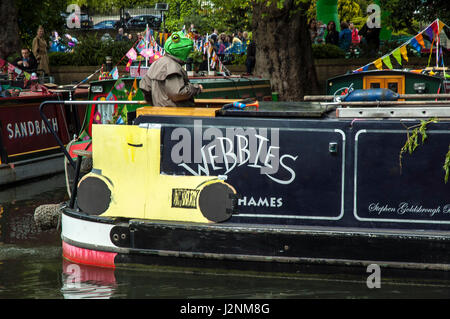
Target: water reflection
{"type": "Point", "coordinates": [150, 282]}
{"type": "Point", "coordinates": [80, 282]}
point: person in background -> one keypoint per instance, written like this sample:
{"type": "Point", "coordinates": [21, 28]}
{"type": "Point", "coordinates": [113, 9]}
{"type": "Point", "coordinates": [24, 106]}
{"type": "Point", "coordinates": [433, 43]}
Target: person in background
{"type": "Point", "coordinates": [313, 30]}
{"type": "Point", "coordinates": [39, 49]}
{"type": "Point", "coordinates": [221, 48]}
{"type": "Point", "coordinates": [120, 36]}
{"type": "Point", "coordinates": [320, 32]}
{"type": "Point", "coordinates": [214, 35]}
{"type": "Point", "coordinates": [356, 39]}
{"type": "Point", "coordinates": [332, 36]}
{"type": "Point", "coordinates": [345, 37]}
{"type": "Point", "coordinates": [372, 38]}
{"type": "Point", "coordinates": [27, 61]}
{"type": "Point", "coordinates": [251, 56]}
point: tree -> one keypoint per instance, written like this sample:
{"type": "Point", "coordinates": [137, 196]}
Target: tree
{"type": "Point", "coordinates": [284, 52]}
{"type": "Point", "coordinates": [9, 32]}
{"type": "Point", "coordinates": [348, 10]}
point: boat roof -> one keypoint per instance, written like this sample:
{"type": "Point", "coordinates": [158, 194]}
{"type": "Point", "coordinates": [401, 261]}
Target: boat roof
{"type": "Point", "coordinates": [406, 72]}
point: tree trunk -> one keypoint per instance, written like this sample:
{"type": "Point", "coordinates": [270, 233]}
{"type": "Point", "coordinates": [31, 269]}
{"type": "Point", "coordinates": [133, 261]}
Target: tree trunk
{"type": "Point", "coordinates": [9, 29]}
{"type": "Point", "coordinates": [283, 48]}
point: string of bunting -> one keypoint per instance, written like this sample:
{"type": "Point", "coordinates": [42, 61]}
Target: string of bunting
{"type": "Point", "coordinates": [417, 42]}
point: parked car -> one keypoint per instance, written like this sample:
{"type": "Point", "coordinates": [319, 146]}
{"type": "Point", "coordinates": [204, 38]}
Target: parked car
{"type": "Point", "coordinates": [141, 21]}
{"type": "Point", "coordinates": [105, 24]}
{"type": "Point", "coordinates": [86, 22]}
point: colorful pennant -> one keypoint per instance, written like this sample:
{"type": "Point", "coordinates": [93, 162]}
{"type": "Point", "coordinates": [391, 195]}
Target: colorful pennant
{"type": "Point", "coordinates": [131, 54]}
{"type": "Point", "coordinates": [398, 56]}
{"type": "Point", "coordinates": [387, 61]}
{"type": "Point", "coordinates": [378, 64]}
{"type": "Point", "coordinates": [419, 39]}
{"type": "Point", "coordinates": [404, 52]}
{"type": "Point", "coordinates": [114, 73]}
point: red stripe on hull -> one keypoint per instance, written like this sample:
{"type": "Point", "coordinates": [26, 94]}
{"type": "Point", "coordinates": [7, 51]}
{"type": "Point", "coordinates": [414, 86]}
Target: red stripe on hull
{"type": "Point", "coordinates": [88, 257]}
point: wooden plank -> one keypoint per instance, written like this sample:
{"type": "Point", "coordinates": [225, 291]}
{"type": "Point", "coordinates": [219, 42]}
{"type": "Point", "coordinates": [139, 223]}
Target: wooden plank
{"type": "Point", "coordinates": [215, 101]}
{"type": "Point", "coordinates": [177, 111]}
{"type": "Point", "coordinates": [82, 153]}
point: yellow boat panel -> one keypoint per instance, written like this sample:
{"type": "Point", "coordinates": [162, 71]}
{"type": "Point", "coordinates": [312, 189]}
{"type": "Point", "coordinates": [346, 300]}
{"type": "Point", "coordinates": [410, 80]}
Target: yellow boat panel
{"type": "Point", "coordinates": [177, 111]}
{"type": "Point", "coordinates": [129, 157]}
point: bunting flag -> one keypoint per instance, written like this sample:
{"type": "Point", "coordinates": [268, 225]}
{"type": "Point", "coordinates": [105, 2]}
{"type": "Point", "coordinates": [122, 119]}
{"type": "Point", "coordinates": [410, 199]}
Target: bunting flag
{"type": "Point", "coordinates": [387, 61]}
{"type": "Point", "coordinates": [435, 27]}
{"type": "Point", "coordinates": [419, 39]}
{"type": "Point", "coordinates": [133, 90]}
{"type": "Point", "coordinates": [146, 53]}
{"type": "Point", "coordinates": [110, 96]}
{"type": "Point", "coordinates": [2, 62]}
{"type": "Point", "coordinates": [378, 64]}
{"type": "Point", "coordinates": [140, 46]}
{"type": "Point", "coordinates": [127, 67]}
{"type": "Point", "coordinates": [147, 35]}
{"type": "Point", "coordinates": [120, 120]}
{"type": "Point", "coordinates": [114, 73]}
{"type": "Point", "coordinates": [404, 52]}
{"type": "Point", "coordinates": [97, 118]}
{"type": "Point", "coordinates": [430, 32]}
{"type": "Point", "coordinates": [441, 25]}
{"type": "Point", "coordinates": [154, 57]}
{"type": "Point", "coordinates": [398, 56]}
{"type": "Point", "coordinates": [119, 85]}
{"type": "Point", "coordinates": [415, 44]}
{"type": "Point", "coordinates": [131, 54]}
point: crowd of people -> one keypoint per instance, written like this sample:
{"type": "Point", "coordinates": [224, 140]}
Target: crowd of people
{"type": "Point", "coordinates": [227, 45]}
{"type": "Point", "coordinates": [348, 39]}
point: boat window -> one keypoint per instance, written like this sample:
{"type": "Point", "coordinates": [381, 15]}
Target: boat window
{"type": "Point", "coordinates": [393, 86]}
{"type": "Point", "coordinates": [375, 85]}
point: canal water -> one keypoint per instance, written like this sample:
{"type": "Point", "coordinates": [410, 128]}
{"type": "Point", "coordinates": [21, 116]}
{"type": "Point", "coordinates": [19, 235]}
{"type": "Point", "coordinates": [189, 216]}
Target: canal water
{"type": "Point", "coordinates": [32, 267]}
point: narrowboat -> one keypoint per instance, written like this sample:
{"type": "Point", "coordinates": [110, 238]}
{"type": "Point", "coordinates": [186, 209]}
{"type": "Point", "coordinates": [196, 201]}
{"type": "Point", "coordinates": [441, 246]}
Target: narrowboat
{"type": "Point", "coordinates": [27, 148]}
{"type": "Point", "coordinates": [276, 186]}
{"type": "Point", "coordinates": [399, 81]}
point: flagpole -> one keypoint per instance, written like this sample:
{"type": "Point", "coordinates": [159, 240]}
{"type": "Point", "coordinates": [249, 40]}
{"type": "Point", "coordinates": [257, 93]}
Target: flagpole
{"type": "Point", "coordinates": [437, 44]}
{"type": "Point", "coordinates": [146, 44]}
{"type": "Point", "coordinates": [207, 55]}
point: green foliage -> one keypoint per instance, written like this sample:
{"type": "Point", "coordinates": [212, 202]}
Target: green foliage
{"type": "Point", "coordinates": [239, 59]}
{"type": "Point", "coordinates": [447, 165]}
{"type": "Point", "coordinates": [327, 51]}
{"type": "Point", "coordinates": [196, 56]}
{"type": "Point", "coordinates": [348, 10]}
{"type": "Point", "coordinates": [60, 58]}
{"type": "Point", "coordinates": [412, 140]}
{"type": "Point", "coordinates": [31, 14]}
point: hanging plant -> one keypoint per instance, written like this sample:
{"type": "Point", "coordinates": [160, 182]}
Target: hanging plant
{"type": "Point", "coordinates": [447, 165]}
{"type": "Point", "coordinates": [412, 142]}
